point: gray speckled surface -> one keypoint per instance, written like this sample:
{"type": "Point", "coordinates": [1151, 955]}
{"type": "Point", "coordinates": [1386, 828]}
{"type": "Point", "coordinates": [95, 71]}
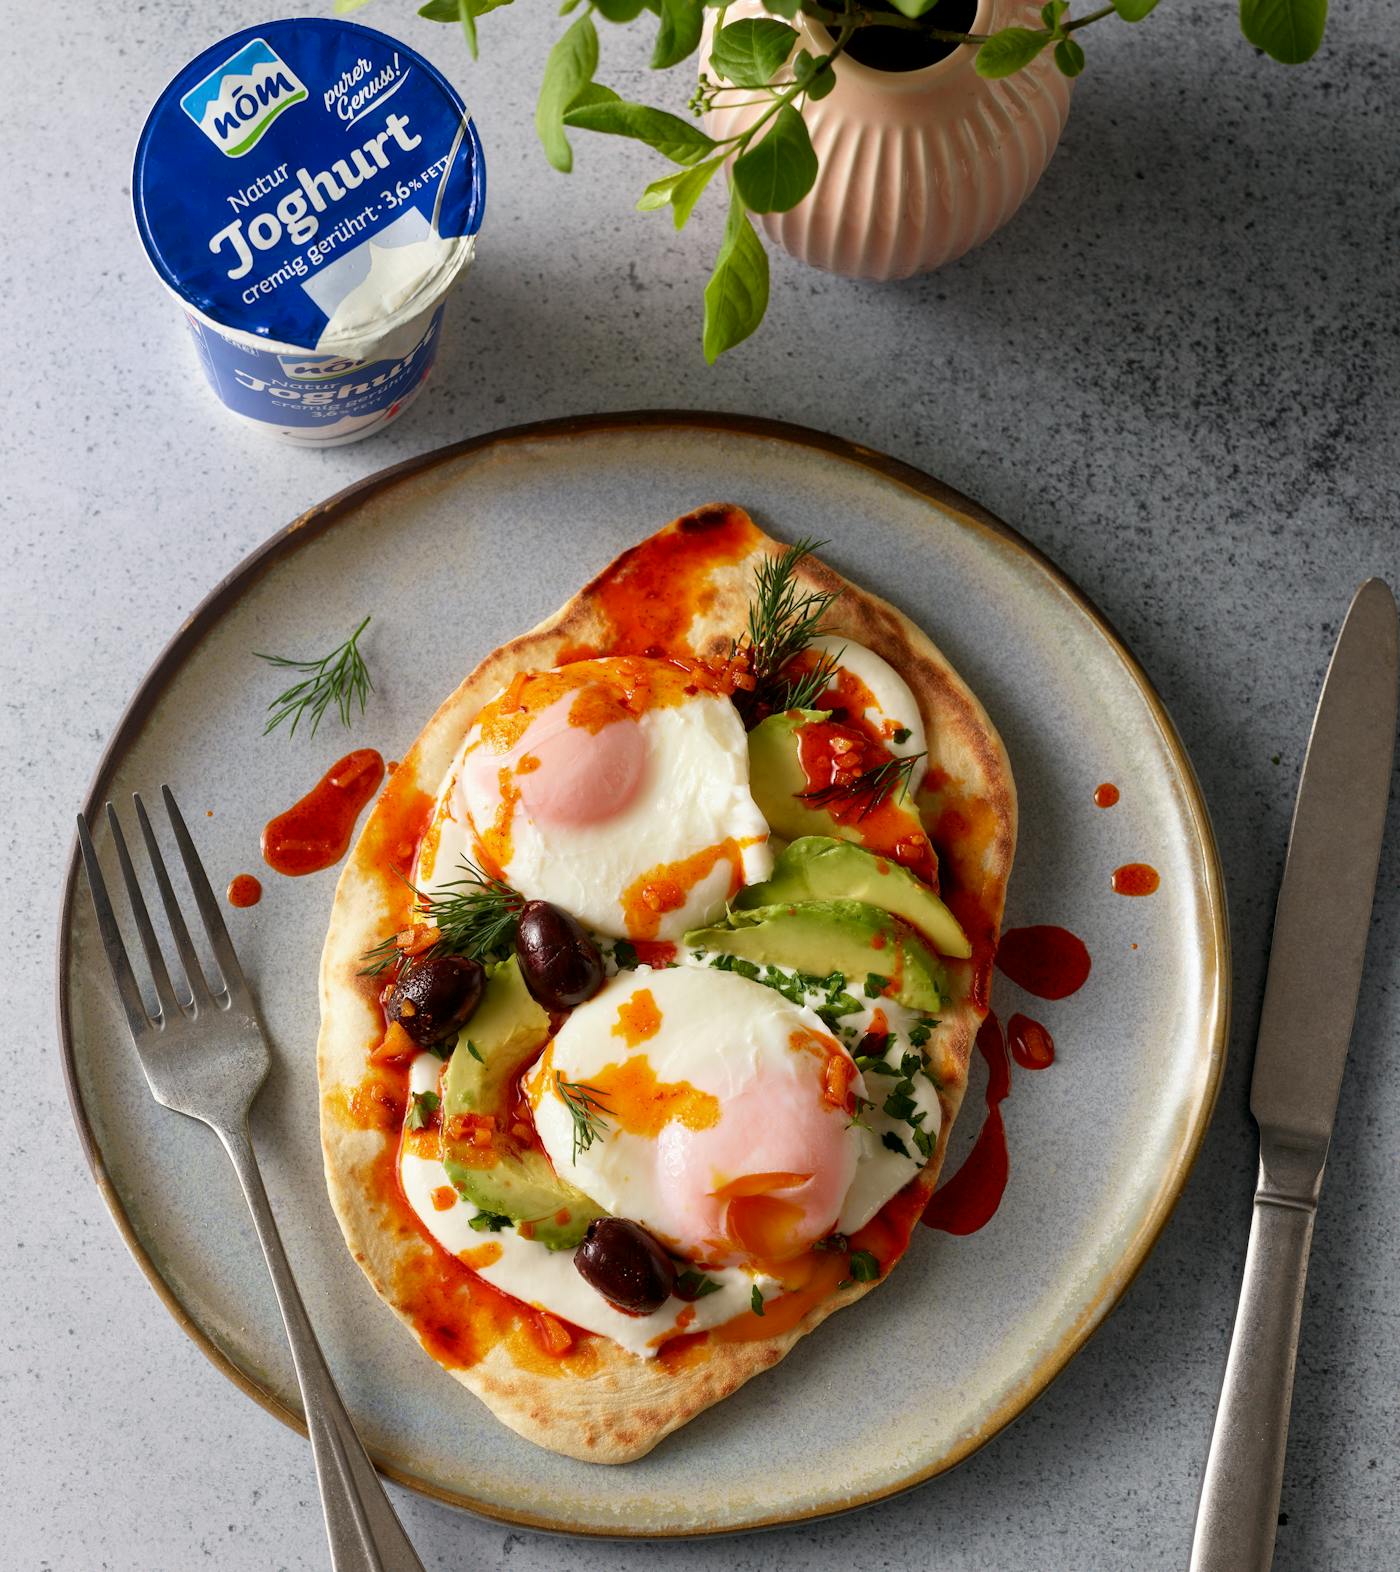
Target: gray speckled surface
{"type": "Point", "coordinates": [1175, 372]}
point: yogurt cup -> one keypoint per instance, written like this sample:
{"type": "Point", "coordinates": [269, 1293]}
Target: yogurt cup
{"type": "Point", "coordinates": [309, 191]}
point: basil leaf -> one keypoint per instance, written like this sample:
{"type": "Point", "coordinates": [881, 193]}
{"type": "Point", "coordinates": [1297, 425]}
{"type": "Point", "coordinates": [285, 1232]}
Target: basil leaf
{"type": "Point", "coordinates": [618, 10]}
{"type": "Point", "coordinates": [1288, 31]}
{"type": "Point", "coordinates": [1069, 57]}
{"type": "Point", "coordinates": [749, 53]}
{"type": "Point", "coordinates": [737, 294]}
{"type": "Point", "coordinates": [681, 141]}
{"type": "Point", "coordinates": [1135, 10]}
{"type": "Point", "coordinates": [567, 72]}
{"type": "Point", "coordinates": [679, 33]}
{"type": "Point", "coordinates": [1009, 51]}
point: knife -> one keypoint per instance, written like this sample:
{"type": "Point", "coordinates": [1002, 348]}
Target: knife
{"type": "Point", "coordinates": [1319, 947]}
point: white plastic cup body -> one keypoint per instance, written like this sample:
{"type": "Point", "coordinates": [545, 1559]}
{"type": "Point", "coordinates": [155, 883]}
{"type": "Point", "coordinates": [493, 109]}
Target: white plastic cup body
{"type": "Point", "coordinates": [314, 399]}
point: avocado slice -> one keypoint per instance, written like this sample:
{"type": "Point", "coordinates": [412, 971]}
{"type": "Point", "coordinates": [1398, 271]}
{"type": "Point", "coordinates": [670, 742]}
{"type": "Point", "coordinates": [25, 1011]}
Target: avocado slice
{"type": "Point", "coordinates": [505, 1029]}
{"type": "Point", "coordinates": [852, 937]}
{"type": "Point", "coordinates": [816, 866]}
{"type": "Point", "coordinates": [777, 781]}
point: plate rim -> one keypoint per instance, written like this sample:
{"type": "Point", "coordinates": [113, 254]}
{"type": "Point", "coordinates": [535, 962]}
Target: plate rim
{"type": "Point", "coordinates": [323, 516]}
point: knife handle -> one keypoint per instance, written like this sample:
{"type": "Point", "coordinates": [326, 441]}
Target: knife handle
{"type": "Point", "coordinates": [1238, 1513]}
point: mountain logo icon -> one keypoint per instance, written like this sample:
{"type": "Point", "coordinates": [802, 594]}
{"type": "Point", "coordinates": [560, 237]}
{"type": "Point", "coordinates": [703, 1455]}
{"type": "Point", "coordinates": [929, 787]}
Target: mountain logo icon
{"type": "Point", "coordinates": [241, 98]}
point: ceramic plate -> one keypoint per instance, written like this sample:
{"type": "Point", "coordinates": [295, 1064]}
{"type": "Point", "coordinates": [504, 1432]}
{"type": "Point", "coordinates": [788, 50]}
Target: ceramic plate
{"type": "Point", "coordinates": [455, 552]}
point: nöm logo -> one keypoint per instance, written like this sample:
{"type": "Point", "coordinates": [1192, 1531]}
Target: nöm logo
{"type": "Point", "coordinates": [238, 100]}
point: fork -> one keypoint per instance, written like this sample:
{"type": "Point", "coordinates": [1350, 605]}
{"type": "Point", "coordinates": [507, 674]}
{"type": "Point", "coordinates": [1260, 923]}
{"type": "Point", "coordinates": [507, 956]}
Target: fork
{"type": "Point", "coordinates": [205, 1055]}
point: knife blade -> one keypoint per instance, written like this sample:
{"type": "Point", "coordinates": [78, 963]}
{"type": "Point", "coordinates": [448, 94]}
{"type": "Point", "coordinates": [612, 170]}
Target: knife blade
{"type": "Point", "coordinates": [1329, 880]}
{"type": "Point", "coordinates": [1315, 963]}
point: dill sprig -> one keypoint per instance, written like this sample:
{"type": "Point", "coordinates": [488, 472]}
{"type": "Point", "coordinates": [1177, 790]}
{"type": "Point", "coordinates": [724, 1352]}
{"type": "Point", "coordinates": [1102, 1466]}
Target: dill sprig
{"type": "Point", "coordinates": [783, 621]}
{"type": "Point", "coordinates": [584, 1109]}
{"type": "Point", "coordinates": [873, 785]}
{"type": "Point", "coordinates": [802, 691]}
{"type": "Point", "coordinates": [475, 916]}
{"type": "Point", "coordinates": [340, 678]}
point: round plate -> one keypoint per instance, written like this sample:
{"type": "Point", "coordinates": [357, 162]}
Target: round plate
{"type": "Point", "coordinates": [454, 553]}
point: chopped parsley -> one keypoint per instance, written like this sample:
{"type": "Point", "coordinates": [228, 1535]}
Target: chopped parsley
{"type": "Point", "coordinates": [694, 1285]}
{"type": "Point", "coordinates": [421, 1108]}
{"type": "Point", "coordinates": [919, 1035]}
{"type": "Point", "coordinates": [924, 1141]}
{"type": "Point", "coordinates": [474, 1051]}
{"type": "Point", "coordinates": [625, 954]}
{"type": "Point", "coordinates": [868, 1066]}
{"type": "Point", "coordinates": [756, 1300]}
{"type": "Point", "coordinates": [899, 1104]}
{"type": "Point", "coordinates": [864, 1267]}
{"type": "Point", "coordinates": [891, 1140]}
{"type": "Point", "coordinates": [489, 1222]}
{"type": "Point", "coordinates": [875, 985]}
{"type": "Point", "coordinates": [902, 734]}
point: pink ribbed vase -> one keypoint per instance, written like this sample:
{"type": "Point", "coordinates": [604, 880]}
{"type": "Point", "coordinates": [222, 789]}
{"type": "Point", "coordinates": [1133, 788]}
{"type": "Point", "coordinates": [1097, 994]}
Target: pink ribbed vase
{"type": "Point", "coordinates": [917, 167]}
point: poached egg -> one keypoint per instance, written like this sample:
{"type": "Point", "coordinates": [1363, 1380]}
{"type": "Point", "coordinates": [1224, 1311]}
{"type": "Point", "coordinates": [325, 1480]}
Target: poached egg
{"type": "Point", "coordinates": [706, 1107]}
{"type": "Point", "coordinates": [617, 789]}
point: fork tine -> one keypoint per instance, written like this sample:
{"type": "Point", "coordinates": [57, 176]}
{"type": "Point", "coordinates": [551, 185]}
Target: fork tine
{"type": "Point", "coordinates": [165, 992]}
{"type": "Point", "coordinates": [200, 987]}
{"type": "Point", "coordinates": [206, 900]}
{"type": "Point", "coordinates": [136, 1017]}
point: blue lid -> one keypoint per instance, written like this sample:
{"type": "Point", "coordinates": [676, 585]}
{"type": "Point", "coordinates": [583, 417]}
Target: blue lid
{"type": "Point", "coordinates": [310, 182]}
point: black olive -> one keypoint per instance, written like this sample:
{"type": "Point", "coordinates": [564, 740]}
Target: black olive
{"type": "Point", "coordinates": [433, 997]}
{"type": "Point", "coordinates": [626, 1265]}
{"type": "Point", "coordinates": [561, 965]}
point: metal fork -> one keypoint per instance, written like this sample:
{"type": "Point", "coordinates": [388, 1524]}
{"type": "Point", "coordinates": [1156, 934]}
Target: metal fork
{"type": "Point", "coordinates": [205, 1055]}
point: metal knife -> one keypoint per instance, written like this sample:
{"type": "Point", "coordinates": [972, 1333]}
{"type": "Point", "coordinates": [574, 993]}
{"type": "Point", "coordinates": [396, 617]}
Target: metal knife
{"type": "Point", "coordinates": [1319, 947]}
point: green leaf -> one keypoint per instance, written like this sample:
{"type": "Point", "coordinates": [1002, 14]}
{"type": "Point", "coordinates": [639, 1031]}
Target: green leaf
{"type": "Point", "coordinates": [914, 8]}
{"type": "Point", "coordinates": [345, 7]}
{"type": "Point", "coordinates": [679, 33]}
{"type": "Point", "coordinates": [787, 8]}
{"type": "Point", "coordinates": [749, 53]}
{"type": "Point", "coordinates": [756, 1300]}
{"type": "Point", "coordinates": [777, 171]}
{"type": "Point", "coordinates": [821, 84]}
{"type": "Point", "coordinates": [1009, 51]}
{"type": "Point", "coordinates": [618, 10]}
{"type": "Point", "coordinates": [594, 93]}
{"type": "Point", "coordinates": [682, 191]}
{"type": "Point", "coordinates": [438, 11]}
{"type": "Point", "coordinates": [689, 188]}
{"type": "Point", "coordinates": [1069, 57]}
{"type": "Point", "coordinates": [421, 1108]}
{"type": "Point", "coordinates": [1288, 31]}
{"type": "Point", "coordinates": [1053, 10]}
{"type": "Point", "coordinates": [737, 295]}
{"type": "Point", "coordinates": [489, 1222]}
{"type": "Point", "coordinates": [1134, 10]}
{"type": "Point", "coordinates": [682, 141]}
{"type": "Point", "coordinates": [567, 72]}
